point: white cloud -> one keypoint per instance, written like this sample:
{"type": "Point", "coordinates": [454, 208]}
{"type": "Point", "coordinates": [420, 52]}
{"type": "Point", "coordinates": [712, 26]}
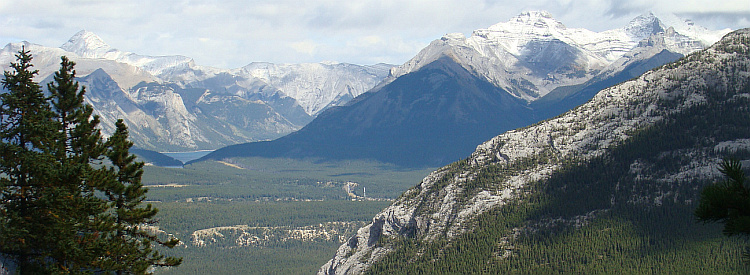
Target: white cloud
{"type": "Point", "coordinates": [233, 33]}
{"type": "Point", "coordinates": [305, 47]}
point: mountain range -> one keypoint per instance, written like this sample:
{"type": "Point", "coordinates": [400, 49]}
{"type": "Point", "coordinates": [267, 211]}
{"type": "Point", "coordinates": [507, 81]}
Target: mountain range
{"type": "Point", "coordinates": [609, 186]}
{"type": "Point", "coordinates": [170, 103]}
{"type": "Point", "coordinates": [458, 91]}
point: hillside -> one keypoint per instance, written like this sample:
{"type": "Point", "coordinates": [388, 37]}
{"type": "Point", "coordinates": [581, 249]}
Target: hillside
{"type": "Point", "coordinates": [609, 185]}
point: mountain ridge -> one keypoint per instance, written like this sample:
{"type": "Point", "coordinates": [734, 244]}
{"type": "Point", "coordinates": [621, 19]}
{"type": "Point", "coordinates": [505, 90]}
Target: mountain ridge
{"type": "Point", "coordinates": [523, 54]}
{"type": "Point", "coordinates": [189, 117]}
{"type": "Point", "coordinates": [367, 126]}
{"type": "Point", "coordinates": [310, 92]}
{"type": "Point", "coordinates": [478, 57]}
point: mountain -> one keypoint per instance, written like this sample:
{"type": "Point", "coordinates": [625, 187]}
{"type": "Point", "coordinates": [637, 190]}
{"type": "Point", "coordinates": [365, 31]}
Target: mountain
{"type": "Point", "coordinates": [440, 106]}
{"type": "Point", "coordinates": [532, 53]}
{"type": "Point", "coordinates": [315, 86]}
{"type": "Point", "coordinates": [654, 51]}
{"type": "Point", "coordinates": [318, 86]}
{"type": "Point", "coordinates": [610, 185]}
{"type": "Point", "coordinates": [171, 104]}
{"type": "Point", "coordinates": [155, 158]}
{"type": "Point", "coordinates": [459, 92]}
{"type": "Point", "coordinates": [88, 45]}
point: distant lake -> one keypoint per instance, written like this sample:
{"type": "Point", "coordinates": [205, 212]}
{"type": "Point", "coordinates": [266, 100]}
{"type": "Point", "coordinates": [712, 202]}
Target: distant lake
{"type": "Point", "coordinates": [187, 156]}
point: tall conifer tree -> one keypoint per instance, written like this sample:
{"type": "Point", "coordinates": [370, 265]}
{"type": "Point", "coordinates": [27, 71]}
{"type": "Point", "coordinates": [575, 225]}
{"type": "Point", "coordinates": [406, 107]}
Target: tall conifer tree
{"type": "Point", "coordinates": [69, 201]}
{"type": "Point", "coordinates": [79, 148]}
{"type": "Point", "coordinates": [133, 252]}
{"type": "Point", "coordinates": [28, 219]}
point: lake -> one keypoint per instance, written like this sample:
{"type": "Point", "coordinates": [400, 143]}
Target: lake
{"type": "Point", "coordinates": [187, 156]}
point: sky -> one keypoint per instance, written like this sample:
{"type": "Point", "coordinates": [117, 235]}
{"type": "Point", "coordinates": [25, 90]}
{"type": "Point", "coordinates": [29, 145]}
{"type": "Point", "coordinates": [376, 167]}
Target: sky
{"type": "Point", "coordinates": [234, 33]}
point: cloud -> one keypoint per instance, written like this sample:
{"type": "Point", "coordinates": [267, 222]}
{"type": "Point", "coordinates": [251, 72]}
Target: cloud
{"type": "Point", "coordinates": [305, 47]}
{"type": "Point", "coordinates": [718, 20]}
{"type": "Point", "coordinates": [233, 33]}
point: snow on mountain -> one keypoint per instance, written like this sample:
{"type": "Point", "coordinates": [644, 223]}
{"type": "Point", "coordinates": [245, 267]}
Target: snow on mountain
{"type": "Point", "coordinates": [317, 86]}
{"type": "Point", "coordinates": [89, 45]}
{"type": "Point", "coordinates": [532, 53]}
{"type": "Point", "coordinates": [47, 61]}
{"type": "Point", "coordinates": [161, 115]}
{"type": "Point", "coordinates": [688, 28]}
{"type": "Point", "coordinates": [187, 106]}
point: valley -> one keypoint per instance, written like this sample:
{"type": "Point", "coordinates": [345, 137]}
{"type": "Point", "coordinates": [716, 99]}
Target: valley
{"type": "Point", "coordinates": [263, 216]}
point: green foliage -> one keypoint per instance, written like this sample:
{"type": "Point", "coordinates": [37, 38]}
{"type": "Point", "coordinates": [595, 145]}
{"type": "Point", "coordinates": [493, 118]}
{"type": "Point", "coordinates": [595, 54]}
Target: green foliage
{"type": "Point", "coordinates": [298, 258]}
{"type": "Point", "coordinates": [62, 209]}
{"type": "Point", "coordinates": [125, 192]}
{"type": "Point", "coordinates": [266, 192]}
{"type": "Point", "coordinates": [185, 217]}
{"type": "Point", "coordinates": [727, 202]}
{"type": "Point", "coordinates": [29, 217]}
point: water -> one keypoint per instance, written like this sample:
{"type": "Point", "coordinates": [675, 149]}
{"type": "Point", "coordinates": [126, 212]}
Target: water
{"type": "Point", "coordinates": [187, 156]}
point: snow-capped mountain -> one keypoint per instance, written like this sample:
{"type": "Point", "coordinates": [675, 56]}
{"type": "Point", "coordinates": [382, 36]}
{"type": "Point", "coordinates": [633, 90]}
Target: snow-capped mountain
{"type": "Point", "coordinates": [170, 103]}
{"type": "Point", "coordinates": [47, 61]}
{"type": "Point", "coordinates": [88, 45]}
{"type": "Point", "coordinates": [459, 92]}
{"type": "Point", "coordinates": [318, 86]}
{"type": "Point", "coordinates": [532, 54]}
{"type": "Point", "coordinates": [160, 115]}
{"type": "Point", "coordinates": [646, 143]}
{"type": "Point", "coordinates": [442, 105]}
{"type": "Point", "coordinates": [315, 86]}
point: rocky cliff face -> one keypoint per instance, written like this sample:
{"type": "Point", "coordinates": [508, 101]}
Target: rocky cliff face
{"type": "Point", "coordinates": [680, 96]}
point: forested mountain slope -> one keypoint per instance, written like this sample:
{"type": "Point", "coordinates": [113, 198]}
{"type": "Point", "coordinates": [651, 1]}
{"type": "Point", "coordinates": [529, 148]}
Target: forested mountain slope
{"type": "Point", "coordinates": [608, 186]}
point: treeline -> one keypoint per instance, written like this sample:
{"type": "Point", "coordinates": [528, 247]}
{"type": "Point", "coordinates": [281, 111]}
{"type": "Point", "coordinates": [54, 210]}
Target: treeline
{"type": "Point", "coordinates": [290, 257]}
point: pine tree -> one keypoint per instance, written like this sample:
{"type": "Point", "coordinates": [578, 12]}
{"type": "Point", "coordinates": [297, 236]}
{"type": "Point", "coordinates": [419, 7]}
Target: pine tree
{"type": "Point", "coordinates": [132, 246]}
{"type": "Point", "coordinates": [79, 148]}
{"type": "Point", "coordinates": [728, 202]}
{"type": "Point", "coordinates": [69, 201]}
{"type": "Point", "coordinates": [28, 219]}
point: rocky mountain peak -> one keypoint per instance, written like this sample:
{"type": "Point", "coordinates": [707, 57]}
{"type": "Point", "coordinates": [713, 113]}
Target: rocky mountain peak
{"type": "Point", "coordinates": [529, 23]}
{"type": "Point", "coordinates": [643, 26]}
{"type": "Point", "coordinates": [536, 19]}
{"type": "Point", "coordinates": [86, 44]}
